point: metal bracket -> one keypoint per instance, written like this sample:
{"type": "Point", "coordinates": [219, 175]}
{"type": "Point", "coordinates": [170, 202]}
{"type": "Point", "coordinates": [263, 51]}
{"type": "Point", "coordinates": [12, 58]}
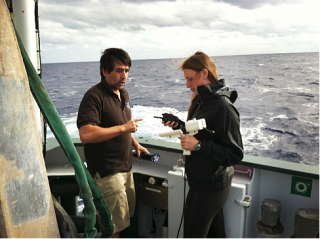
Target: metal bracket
{"type": "Point", "coordinates": [166, 184]}
{"type": "Point", "coordinates": [246, 202]}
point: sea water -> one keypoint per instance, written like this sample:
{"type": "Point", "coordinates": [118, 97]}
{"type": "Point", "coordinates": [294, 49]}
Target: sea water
{"type": "Point", "coordinates": [278, 99]}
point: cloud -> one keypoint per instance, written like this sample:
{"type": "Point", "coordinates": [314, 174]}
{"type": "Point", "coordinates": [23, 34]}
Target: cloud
{"type": "Point", "coordinates": [164, 29]}
{"type": "Point", "coordinates": [246, 4]}
{"type": "Point", "coordinates": [147, 1]}
{"type": "Point", "coordinates": [252, 4]}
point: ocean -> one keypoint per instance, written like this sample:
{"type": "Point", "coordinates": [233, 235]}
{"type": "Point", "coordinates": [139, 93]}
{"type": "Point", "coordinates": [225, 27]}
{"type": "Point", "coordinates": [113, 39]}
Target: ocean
{"type": "Point", "coordinates": [278, 99]}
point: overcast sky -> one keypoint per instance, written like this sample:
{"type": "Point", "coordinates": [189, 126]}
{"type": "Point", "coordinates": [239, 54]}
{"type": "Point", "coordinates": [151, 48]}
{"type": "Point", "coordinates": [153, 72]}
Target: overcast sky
{"type": "Point", "coordinates": [78, 30]}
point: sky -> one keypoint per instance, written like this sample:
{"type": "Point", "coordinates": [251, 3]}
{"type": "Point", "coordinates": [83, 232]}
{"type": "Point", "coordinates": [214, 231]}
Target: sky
{"type": "Point", "coordinates": [79, 30]}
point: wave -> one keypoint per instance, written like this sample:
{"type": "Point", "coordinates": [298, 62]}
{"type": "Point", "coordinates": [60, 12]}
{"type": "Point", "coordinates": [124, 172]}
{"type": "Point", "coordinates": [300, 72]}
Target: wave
{"type": "Point", "coordinates": [280, 131]}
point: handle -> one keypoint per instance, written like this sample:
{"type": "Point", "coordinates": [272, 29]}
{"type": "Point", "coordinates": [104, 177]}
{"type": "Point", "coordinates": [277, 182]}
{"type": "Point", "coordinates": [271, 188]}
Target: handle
{"type": "Point", "coordinates": [147, 156]}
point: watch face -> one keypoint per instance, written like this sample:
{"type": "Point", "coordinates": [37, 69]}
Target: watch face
{"type": "Point", "coordinates": [198, 146]}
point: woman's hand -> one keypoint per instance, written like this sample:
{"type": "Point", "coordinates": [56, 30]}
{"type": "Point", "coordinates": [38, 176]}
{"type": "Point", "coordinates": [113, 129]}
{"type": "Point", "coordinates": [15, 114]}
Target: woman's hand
{"type": "Point", "coordinates": [171, 124]}
{"type": "Point", "coordinates": [188, 142]}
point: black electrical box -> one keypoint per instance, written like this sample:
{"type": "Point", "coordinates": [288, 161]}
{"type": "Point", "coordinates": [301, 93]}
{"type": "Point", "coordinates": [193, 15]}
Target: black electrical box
{"type": "Point", "coordinates": [152, 193]}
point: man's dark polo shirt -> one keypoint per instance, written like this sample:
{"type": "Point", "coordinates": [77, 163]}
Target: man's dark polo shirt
{"type": "Point", "coordinates": [100, 106]}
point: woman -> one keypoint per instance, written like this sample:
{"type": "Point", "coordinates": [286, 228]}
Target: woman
{"type": "Point", "coordinates": [213, 150]}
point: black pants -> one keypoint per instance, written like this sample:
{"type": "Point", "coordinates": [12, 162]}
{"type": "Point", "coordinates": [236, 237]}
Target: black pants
{"type": "Point", "coordinates": [203, 215]}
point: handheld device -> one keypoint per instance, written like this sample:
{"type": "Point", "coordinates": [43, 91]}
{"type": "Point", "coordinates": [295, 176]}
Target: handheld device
{"type": "Point", "coordinates": [169, 117]}
{"type": "Point", "coordinates": [191, 127]}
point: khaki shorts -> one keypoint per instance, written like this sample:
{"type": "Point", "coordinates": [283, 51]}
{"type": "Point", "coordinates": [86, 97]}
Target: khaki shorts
{"type": "Point", "coordinates": [119, 193]}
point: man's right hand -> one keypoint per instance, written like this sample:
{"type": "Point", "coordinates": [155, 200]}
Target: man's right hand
{"type": "Point", "coordinates": [131, 126]}
{"type": "Point", "coordinates": [96, 134]}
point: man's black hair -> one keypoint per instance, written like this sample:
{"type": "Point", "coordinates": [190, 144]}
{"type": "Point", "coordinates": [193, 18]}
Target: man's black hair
{"type": "Point", "coordinates": [112, 55]}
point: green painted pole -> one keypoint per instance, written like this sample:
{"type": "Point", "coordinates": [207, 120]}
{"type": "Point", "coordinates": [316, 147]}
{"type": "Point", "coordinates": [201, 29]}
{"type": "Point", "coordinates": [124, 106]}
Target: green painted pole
{"type": "Point", "coordinates": [82, 175]}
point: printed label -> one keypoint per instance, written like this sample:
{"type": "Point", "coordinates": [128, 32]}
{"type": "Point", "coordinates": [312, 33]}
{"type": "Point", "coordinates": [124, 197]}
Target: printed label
{"type": "Point", "coordinates": [153, 190]}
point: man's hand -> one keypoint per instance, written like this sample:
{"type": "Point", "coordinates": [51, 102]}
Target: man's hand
{"type": "Point", "coordinates": [139, 149]}
{"type": "Point", "coordinates": [96, 134]}
{"type": "Point", "coordinates": [131, 126]}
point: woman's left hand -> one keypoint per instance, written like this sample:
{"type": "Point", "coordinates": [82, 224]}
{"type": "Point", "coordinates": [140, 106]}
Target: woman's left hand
{"type": "Point", "coordinates": [188, 142]}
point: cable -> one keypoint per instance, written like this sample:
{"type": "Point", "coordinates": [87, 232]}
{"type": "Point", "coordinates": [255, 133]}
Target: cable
{"type": "Point", "coordinates": [154, 228]}
{"type": "Point", "coordinates": [161, 210]}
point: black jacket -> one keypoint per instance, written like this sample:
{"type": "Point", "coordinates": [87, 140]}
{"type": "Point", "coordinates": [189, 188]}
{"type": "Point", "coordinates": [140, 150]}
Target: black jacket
{"type": "Point", "coordinates": [210, 168]}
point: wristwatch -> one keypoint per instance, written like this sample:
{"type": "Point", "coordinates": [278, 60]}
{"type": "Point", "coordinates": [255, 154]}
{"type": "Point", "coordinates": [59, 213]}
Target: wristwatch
{"type": "Point", "coordinates": [198, 146]}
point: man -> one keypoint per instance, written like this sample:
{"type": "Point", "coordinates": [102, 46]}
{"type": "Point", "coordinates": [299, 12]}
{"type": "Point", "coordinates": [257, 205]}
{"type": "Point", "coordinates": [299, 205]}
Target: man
{"type": "Point", "coordinates": [105, 127]}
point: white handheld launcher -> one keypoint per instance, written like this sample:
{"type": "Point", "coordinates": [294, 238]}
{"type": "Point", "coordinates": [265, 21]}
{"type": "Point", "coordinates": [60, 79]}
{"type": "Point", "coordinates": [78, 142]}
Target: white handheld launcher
{"type": "Point", "coordinates": [191, 127]}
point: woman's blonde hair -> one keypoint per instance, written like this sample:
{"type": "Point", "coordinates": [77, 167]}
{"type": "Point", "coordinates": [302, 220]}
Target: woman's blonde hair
{"type": "Point", "coordinates": [197, 62]}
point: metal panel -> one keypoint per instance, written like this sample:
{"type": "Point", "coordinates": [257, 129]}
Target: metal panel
{"type": "Point", "coordinates": [234, 214]}
{"type": "Point", "coordinates": [154, 195]}
{"type": "Point", "coordinates": [176, 196]}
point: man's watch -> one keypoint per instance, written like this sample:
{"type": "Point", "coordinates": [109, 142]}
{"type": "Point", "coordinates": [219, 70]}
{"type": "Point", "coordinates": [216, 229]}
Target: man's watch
{"type": "Point", "coordinates": [198, 146]}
